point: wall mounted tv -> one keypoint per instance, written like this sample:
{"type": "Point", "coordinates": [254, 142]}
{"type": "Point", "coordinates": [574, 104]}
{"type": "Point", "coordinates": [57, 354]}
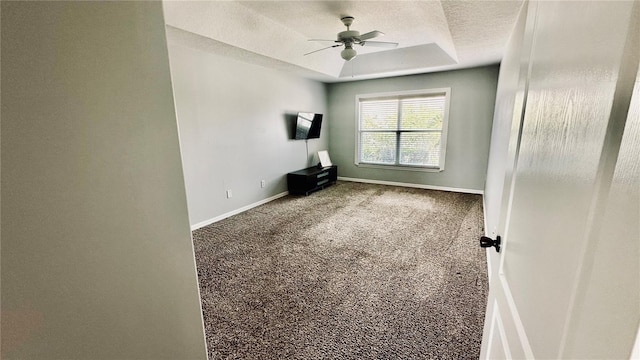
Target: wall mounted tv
{"type": "Point", "coordinates": [308, 125]}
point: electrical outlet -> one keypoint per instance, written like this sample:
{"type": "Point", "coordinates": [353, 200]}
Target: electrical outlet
{"type": "Point", "coordinates": [229, 194]}
{"type": "Point", "coordinates": [262, 183]}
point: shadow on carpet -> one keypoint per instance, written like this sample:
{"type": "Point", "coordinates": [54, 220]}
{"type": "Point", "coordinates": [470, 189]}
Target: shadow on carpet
{"type": "Point", "coordinates": [355, 271]}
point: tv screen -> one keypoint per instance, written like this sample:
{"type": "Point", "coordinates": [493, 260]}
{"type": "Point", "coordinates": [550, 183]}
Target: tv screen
{"type": "Point", "coordinates": [308, 125]}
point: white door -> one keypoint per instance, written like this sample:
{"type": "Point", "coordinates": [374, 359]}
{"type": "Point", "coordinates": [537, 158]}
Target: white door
{"type": "Point", "coordinates": [563, 185]}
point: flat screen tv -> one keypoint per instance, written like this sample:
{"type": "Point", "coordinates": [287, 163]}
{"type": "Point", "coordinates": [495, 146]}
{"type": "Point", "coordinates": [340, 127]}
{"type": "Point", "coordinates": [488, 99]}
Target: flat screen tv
{"type": "Point", "coordinates": [308, 126]}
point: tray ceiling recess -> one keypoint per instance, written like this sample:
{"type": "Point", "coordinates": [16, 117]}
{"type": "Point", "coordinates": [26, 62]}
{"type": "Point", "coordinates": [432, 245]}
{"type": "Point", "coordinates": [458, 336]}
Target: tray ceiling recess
{"type": "Point", "coordinates": [430, 35]}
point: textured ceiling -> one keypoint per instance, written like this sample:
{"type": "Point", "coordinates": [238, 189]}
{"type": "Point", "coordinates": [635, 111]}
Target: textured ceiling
{"type": "Point", "coordinates": [432, 35]}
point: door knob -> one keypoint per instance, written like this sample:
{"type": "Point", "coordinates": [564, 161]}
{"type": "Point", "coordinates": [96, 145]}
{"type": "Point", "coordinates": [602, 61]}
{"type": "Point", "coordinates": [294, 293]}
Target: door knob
{"type": "Point", "coordinates": [489, 242]}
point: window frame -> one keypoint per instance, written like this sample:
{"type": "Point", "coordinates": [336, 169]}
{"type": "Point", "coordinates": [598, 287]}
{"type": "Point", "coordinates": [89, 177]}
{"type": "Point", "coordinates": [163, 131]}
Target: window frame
{"type": "Point", "coordinates": [399, 95]}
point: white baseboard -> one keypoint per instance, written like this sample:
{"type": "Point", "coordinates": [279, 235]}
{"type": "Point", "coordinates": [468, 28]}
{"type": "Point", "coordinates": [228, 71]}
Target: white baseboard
{"type": "Point", "coordinates": [237, 211]}
{"type": "Point", "coordinates": [380, 182]}
{"type": "Point", "coordinates": [419, 186]}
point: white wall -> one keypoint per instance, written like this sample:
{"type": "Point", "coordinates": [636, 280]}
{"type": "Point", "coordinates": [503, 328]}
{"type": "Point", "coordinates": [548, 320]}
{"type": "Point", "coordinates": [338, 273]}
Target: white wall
{"type": "Point", "coordinates": [97, 260]}
{"type": "Point", "coordinates": [472, 101]}
{"type": "Point", "coordinates": [235, 128]}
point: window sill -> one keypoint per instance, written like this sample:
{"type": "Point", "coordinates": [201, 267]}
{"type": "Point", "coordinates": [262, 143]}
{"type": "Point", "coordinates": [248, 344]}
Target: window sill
{"type": "Point", "coordinates": [400, 167]}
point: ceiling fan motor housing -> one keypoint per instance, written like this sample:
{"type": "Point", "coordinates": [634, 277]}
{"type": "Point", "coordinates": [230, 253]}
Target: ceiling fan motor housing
{"type": "Point", "coordinates": [349, 36]}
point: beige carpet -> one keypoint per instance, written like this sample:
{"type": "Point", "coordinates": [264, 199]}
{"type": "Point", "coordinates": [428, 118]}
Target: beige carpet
{"type": "Point", "coordinates": [355, 271]}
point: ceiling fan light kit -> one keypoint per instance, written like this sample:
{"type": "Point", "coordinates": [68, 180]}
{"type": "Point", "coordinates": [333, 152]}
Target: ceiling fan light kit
{"type": "Point", "coordinates": [350, 37]}
{"type": "Point", "coordinates": [348, 53]}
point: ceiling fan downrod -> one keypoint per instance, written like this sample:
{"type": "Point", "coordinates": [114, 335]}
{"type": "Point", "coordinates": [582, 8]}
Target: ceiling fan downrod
{"type": "Point", "coordinates": [348, 38]}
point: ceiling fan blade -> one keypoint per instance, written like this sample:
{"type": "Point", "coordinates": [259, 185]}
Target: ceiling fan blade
{"type": "Point", "coordinates": [384, 44]}
{"type": "Point", "coordinates": [371, 35]}
{"type": "Point", "coordinates": [328, 47]}
{"type": "Point", "coordinates": [322, 40]}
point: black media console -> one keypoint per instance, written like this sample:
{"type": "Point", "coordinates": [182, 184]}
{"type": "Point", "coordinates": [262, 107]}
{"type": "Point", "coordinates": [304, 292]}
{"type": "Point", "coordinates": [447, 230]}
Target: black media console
{"type": "Point", "coordinates": [311, 179]}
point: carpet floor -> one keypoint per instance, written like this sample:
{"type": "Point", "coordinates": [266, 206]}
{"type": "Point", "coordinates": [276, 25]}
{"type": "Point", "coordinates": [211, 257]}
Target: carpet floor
{"type": "Point", "coordinates": [355, 271]}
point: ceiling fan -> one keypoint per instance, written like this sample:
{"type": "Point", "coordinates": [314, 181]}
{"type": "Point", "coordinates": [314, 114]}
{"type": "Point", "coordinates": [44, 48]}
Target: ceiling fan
{"type": "Point", "coordinates": [350, 38]}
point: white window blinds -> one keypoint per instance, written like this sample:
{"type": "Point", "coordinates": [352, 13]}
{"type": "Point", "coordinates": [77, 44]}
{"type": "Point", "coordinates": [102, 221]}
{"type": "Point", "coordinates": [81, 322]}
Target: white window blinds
{"type": "Point", "coordinates": [402, 130]}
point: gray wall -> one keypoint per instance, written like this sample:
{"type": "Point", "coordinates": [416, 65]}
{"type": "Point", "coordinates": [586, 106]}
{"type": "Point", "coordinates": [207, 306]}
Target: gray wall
{"type": "Point", "coordinates": [234, 121]}
{"type": "Point", "coordinates": [97, 260]}
{"type": "Point", "coordinates": [472, 101]}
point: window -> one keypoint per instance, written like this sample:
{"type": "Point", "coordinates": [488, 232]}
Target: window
{"type": "Point", "coordinates": [406, 130]}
